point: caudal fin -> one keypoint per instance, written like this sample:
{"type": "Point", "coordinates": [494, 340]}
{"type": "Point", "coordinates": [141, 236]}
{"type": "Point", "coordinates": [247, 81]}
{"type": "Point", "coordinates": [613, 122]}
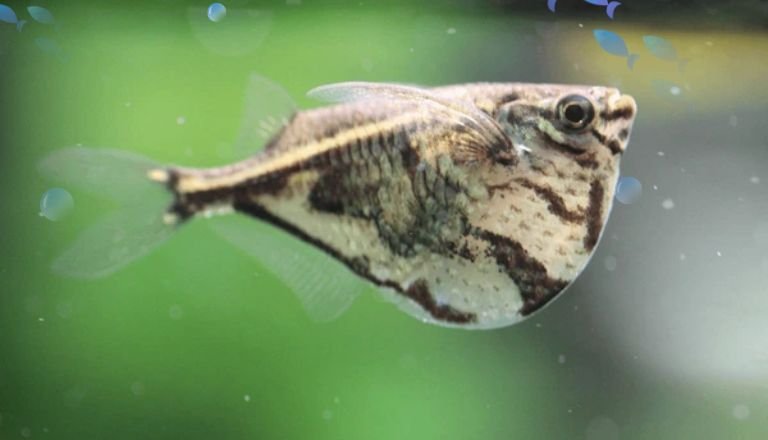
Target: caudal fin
{"type": "Point", "coordinates": [132, 230]}
{"type": "Point", "coordinates": [611, 8]}
{"type": "Point", "coordinates": [632, 59]}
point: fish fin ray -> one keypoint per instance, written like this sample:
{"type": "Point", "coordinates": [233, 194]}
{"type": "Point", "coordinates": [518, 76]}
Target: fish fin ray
{"type": "Point", "coordinates": [267, 109]}
{"type": "Point", "coordinates": [482, 127]}
{"type": "Point", "coordinates": [111, 243]}
{"type": "Point", "coordinates": [124, 235]}
{"type": "Point", "coordinates": [101, 172]}
{"type": "Point", "coordinates": [324, 286]}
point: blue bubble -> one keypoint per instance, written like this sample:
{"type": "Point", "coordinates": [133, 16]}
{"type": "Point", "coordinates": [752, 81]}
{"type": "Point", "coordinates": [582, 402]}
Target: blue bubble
{"type": "Point", "coordinates": [217, 12]}
{"type": "Point", "coordinates": [628, 190]}
{"type": "Point", "coordinates": [56, 204]}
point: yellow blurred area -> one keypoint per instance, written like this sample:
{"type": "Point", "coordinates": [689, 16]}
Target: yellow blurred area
{"type": "Point", "coordinates": [715, 69]}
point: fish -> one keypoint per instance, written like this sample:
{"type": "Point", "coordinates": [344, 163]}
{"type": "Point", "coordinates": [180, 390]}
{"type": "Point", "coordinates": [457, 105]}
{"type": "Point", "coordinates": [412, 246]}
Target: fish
{"type": "Point", "coordinates": [610, 6]}
{"type": "Point", "coordinates": [661, 48]}
{"type": "Point", "coordinates": [470, 206]}
{"type": "Point", "coordinates": [609, 10]}
{"type": "Point", "coordinates": [612, 43]}
{"type": "Point", "coordinates": [551, 5]}
{"type": "Point", "coordinates": [7, 15]}
{"type": "Point", "coordinates": [40, 14]}
{"type": "Point", "coordinates": [51, 47]}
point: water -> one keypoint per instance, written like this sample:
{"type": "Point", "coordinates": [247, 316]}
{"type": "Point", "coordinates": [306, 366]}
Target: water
{"type": "Point", "coordinates": [662, 337]}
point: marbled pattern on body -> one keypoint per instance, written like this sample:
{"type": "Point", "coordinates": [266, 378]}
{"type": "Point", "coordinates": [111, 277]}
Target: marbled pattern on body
{"type": "Point", "coordinates": [478, 203]}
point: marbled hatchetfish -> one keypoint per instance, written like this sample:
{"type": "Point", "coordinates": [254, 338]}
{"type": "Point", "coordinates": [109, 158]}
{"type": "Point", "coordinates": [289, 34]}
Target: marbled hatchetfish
{"type": "Point", "coordinates": [471, 205]}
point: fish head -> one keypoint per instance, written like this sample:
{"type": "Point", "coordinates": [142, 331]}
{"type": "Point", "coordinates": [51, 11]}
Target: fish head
{"type": "Point", "coordinates": [569, 122]}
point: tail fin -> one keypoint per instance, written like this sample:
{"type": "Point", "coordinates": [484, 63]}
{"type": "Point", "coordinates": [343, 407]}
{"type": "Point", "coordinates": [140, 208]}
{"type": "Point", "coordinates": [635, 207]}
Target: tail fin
{"type": "Point", "coordinates": [631, 59]}
{"type": "Point", "coordinates": [611, 8]}
{"type": "Point", "coordinates": [133, 230]}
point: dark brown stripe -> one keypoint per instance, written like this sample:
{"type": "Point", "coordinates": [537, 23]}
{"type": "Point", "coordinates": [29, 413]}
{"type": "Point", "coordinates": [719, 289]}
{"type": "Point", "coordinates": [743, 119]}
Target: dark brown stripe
{"type": "Point", "coordinates": [185, 205]}
{"type": "Point", "coordinates": [509, 97]}
{"type": "Point", "coordinates": [555, 203]}
{"type": "Point", "coordinates": [624, 134]}
{"type": "Point", "coordinates": [594, 215]}
{"type": "Point", "coordinates": [619, 113]}
{"type": "Point", "coordinates": [565, 148]}
{"type": "Point", "coordinates": [587, 160]}
{"type": "Point", "coordinates": [599, 136]}
{"type": "Point", "coordinates": [328, 194]}
{"type": "Point", "coordinates": [614, 146]}
{"type": "Point", "coordinates": [418, 291]}
{"type": "Point", "coordinates": [537, 288]}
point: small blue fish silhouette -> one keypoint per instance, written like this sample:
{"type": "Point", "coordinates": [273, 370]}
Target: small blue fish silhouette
{"type": "Point", "coordinates": [663, 49]}
{"type": "Point", "coordinates": [615, 45]}
{"type": "Point", "coordinates": [551, 5]}
{"type": "Point", "coordinates": [51, 47]}
{"type": "Point", "coordinates": [610, 6]}
{"type": "Point", "coordinates": [7, 15]}
{"type": "Point", "coordinates": [40, 14]}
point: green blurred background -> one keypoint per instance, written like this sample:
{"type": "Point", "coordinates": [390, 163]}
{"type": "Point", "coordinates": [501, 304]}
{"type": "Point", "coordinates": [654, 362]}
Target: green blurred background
{"type": "Point", "coordinates": [664, 336]}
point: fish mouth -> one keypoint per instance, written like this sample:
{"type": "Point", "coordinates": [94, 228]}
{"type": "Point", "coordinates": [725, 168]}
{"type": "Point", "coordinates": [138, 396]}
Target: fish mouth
{"type": "Point", "coordinates": [620, 107]}
{"type": "Point", "coordinates": [617, 117]}
{"type": "Point", "coordinates": [627, 102]}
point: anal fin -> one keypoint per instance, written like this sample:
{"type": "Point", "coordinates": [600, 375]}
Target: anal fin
{"type": "Point", "coordinates": [325, 286]}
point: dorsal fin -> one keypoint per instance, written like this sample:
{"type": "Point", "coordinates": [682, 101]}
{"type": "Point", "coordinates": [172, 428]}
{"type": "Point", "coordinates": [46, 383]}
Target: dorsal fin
{"type": "Point", "coordinates": [465, 111]}
{"type": "Point", "coordinates": [267, 109]}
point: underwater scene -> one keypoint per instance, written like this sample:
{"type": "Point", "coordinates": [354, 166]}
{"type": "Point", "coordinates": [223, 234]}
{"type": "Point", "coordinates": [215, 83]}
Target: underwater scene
{"type": "Point", "coordinates": [384, 219]}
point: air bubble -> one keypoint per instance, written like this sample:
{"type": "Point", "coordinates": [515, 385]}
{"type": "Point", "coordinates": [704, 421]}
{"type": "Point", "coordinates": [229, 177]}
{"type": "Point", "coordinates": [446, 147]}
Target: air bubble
{"type": "Point", "coordinates": [741, 412]}
{"type": "Point", "coordinates": [628, 190]}
{"type": "Point", "coordinates": [602, 428]}
{"type": "Point", "coordinates": [668, 204]}
{"type": "Point", "coordinates": [217, 12]}
{"type": "Point", "coordinates": [175, 312]}
{"type": "Point", "coordinates": [56, 204]}
{"type": "Point", "coordinates": [138, 389]}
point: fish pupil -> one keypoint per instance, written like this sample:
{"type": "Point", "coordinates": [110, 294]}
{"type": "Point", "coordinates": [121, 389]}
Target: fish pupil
{"type": "Point", "coordinates": [575, 113]}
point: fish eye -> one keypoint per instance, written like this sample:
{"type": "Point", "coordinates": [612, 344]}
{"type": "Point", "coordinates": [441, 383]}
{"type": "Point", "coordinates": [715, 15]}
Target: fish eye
{"type": "Point", "coordinates": [575, 112]}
